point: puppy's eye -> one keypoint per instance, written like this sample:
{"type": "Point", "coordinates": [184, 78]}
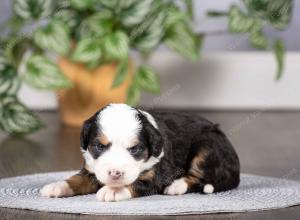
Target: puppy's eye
{"type": "Point", "coordinates": [99, 147]}
{"type": "Point", "coordinates": [135, 150]}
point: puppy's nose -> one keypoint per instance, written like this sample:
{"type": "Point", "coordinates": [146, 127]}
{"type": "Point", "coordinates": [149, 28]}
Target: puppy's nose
{"type": "Point", "coordinates": [115, 174]}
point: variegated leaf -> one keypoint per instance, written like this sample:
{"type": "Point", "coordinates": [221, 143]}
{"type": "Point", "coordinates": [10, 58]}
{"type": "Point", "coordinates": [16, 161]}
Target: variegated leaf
{"type": "Point", "coordinates": [152, 36]}
{"type": "Point", "coordinates": [181, 39]}
{"type": "Point", "coordinates": [133, 12]}
{"type": "Point", "coordinates": [112, 4]}
{"type": "Point", "coordinates": [280, 13]}
{"type": "Point", "coordinates": [147, 79]}
{"type": "Point", "coordinates": [15, 118]}
{"type": "Point", "coordinates": [82, 4]}
{"type": "Point", "coordinates": [33, 9]}
{"type": "Point", "coordinates": [87, 50]}
{"type": "Point", "coordinates": [121, 73]}
{"type": "Point", "coordinates": [116, 46]}
{"type": "Point", "coordinates": [279, 51]}
{"type": "Point", "coordinates": [9, 80]}
{"type": "Point", "coordinates": [41, 73]}
{"type": "Point", "coordinates": [239, 22]}
{"type": "Point", "coordinates": [133, 95]}
{"type": "Point", "coordinates": [55, 37]}
{"type": "Point", "coordinates": [258, 40]}
{"type": "Point", "coordinates": [96, 25]}
{"type": "Point", "coordinates": [258, 8]}
{"type": "Point", "coordinates": [173, 16]}
{"type": "Point", "coordinates": [67, 16]}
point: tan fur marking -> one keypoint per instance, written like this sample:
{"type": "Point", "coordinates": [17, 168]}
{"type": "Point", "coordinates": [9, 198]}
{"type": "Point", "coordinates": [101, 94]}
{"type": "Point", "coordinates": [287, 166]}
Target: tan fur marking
{"type": "Point", "coordinates": [148, 175]}
{"type": "Point", "coordinates": [145, 176]}
{"type": "Point", "coordinates": [195, 172]}
{"type": "Point", "coordinates": [81, 184]}
{"type": "Point", "coordinates": [133, 143]}
{"type": "Point", "coordinates": [103, 139]}
{"type": "Point", "coordinates": [132, 191]}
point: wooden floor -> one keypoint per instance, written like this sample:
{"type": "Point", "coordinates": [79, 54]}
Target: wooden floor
{"type": "Point", "coordinates": [268, 143]}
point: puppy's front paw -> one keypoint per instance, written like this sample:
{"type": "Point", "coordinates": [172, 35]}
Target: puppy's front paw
{"type": "Point", "coordinates": [107, 194]}
{"type": "Point", "coordinates": [178, 187]}
{"type": "Point", "coordinates": [58, 189]}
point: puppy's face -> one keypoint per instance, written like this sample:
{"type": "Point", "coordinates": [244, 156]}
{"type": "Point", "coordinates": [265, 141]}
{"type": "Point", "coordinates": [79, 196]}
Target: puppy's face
{"type": "Point", "coordinates": [119, 143]}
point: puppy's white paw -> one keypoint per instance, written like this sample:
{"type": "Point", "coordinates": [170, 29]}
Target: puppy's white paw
{"type": "Point", "coordinates": [108, 194]}
{"type": "Point", "coordinates": [178, 187]}
{"type": "Point", "coordinates": [58, 189]}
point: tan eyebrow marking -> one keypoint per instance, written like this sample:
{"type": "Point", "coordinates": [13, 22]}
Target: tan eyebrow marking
{"type": "Point", "coordinates": [103, 139]}
{"type": "Point", "coordinates": [133, 143]}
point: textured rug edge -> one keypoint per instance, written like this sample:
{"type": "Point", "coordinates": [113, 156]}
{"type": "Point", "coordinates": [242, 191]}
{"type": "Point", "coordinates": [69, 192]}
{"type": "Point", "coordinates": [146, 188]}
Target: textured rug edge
{"type": "Point", "coordinates": [289, 204]}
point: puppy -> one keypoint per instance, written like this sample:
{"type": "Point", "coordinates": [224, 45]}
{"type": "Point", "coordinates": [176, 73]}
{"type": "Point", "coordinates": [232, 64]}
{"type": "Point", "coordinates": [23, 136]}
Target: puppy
{"type": "Point", "coordinates": [132, 153]}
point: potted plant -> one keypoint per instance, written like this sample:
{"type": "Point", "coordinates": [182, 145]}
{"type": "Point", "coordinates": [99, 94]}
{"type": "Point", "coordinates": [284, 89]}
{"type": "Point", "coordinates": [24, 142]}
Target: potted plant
{"type": "Point", "coordinates": [81, 49]}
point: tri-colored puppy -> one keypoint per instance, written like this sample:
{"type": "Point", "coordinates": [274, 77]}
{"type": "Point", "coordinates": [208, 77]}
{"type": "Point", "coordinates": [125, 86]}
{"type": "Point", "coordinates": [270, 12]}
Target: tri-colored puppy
{"type": "Point", "coordinates": [131, 153]}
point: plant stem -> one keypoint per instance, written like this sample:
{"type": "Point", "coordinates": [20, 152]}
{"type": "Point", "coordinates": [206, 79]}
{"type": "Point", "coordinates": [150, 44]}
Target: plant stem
{"type": "Point", "coordinates": [215, 33]}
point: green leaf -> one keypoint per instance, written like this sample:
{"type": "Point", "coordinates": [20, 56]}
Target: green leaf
{"type": "Point", "coordinates": [279, 51]}
{"type": "Point", "coordinates": [41, 73]}
{"type": "Point", "coordinates": [82, 4]}
{"type": "Point", "coordinates": [32, 9]}
{"type": "Point", "coordinates": [189, 8]}
{"type": "Point", "coordinates": [16, 47]}
{"type": "Point", "coordinates": [15, 118]}
{"type": "Point", "coordinates": [87, 50]}
{"type": "Point", "coordinates": [277, 12]}
{"type": "Point", "coordinates": [173, 16]}
{"type": "Point", "coordinates": [181, 39]}
{"type": "Point", "coordinates": [258, 8]}
{"type": "Point", "coordinates": [239, 22]}
{"type": "Point", "coordinates": [9, 80]}
{"type": "Point", "coordinates": [258, 40]}
{"type": "Point", "coordinates": [133, 95]}
{"type": "Point", "coordinates": [116, 46]}
{"type": "Point", "coordinates": [112, 4]}
{"type": "Point", "coordinates": [96, 25]}
{"type": "Point", "coordinates": [121, 73]}
{"type": "Point", "coordinates": [280, 13]}
{"type": "Point", "coordinates": [134, 12]}
{"type": "Point", "coordinates": [153, 34]}
{"type": "Point", "coordinates": [67, 16]}
{"type": "Point", "coordinates": [147, 79]}
{"type": "Point", "coordinates": [55, 37]}
{"type": "Point", "coordinates": [217, 13]}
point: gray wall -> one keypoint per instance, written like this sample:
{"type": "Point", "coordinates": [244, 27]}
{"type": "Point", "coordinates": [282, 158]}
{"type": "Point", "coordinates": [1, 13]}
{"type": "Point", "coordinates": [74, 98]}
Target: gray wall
{"type": "Point", "coordinates": [224, 42]}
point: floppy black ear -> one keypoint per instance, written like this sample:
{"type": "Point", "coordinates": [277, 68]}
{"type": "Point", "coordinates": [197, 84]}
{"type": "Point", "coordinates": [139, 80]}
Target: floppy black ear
{"type": "Point", "coordinates": [153, 136]}
{"type": "Point", "coordinates": [85, 134]}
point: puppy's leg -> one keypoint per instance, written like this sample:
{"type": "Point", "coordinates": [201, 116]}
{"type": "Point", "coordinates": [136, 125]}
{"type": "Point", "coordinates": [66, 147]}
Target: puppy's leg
{"type": "Point", "coordinates": [79, 184]}
{"type": "Point", "coordinates": [143, 186]}
{"type": "Point", "coordinates": [108, 194]}
{"type": "Point", "coordinates": [213, 167]}
{"type": "Point", "coordinates": [146, 185]}
{"type": "Point", "coordinates": [193, 180]}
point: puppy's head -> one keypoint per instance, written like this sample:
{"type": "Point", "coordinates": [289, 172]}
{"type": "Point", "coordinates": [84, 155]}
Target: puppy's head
{"type": "Point", "coordinates": [119, 142]}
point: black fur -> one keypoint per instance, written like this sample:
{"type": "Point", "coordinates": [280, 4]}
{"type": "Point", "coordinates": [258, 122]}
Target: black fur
{"type": "Point", "coordinates": [181, 137]}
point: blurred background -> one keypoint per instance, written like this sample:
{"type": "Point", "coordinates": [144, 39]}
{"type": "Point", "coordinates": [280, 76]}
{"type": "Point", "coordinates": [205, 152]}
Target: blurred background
{"type": "Point", "coordinates": [228, 64]}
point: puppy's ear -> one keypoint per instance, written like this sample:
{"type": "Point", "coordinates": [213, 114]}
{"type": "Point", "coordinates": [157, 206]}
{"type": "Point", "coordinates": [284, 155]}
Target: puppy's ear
{"type": "Point", "coordinates": [85, 134]}
{"type": "Point", "coordinates": [153, 136]}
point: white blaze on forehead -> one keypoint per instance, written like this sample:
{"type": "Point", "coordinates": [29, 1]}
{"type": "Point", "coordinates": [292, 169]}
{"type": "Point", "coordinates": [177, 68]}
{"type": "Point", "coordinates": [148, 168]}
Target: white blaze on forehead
{"type": "Point", "coordinates": [119, 123]}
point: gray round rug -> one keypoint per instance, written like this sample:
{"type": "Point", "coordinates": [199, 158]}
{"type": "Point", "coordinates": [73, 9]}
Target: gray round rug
{"type": "Point", "coordinates": [254, 193]}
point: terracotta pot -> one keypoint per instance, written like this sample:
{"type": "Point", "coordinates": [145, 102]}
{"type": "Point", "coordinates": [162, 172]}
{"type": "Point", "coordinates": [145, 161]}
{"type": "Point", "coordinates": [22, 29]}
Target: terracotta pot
{"type": "Point", "coordinates": [91, 91]}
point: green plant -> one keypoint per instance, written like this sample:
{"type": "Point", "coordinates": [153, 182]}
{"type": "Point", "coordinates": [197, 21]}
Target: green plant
{"type": "Point", "coordinates": [253, 17]}
{"type": "Point", "coordinates": [98, 31]}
